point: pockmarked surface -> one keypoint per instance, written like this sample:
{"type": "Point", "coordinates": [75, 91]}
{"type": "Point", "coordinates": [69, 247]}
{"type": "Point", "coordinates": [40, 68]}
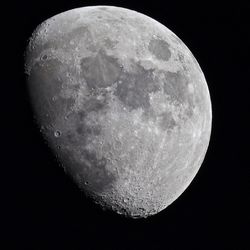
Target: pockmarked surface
{"type": "Point", "coordinates": [123, 104]}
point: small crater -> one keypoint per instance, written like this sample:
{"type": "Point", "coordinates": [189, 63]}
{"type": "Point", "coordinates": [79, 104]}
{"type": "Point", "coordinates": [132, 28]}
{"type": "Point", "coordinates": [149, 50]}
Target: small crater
{"type": "Point", "coordinates": [125, 200]}
{"type": "Point", "coordinates": [57, 133]}
{"type": "Point", "coordinates": [44, 57]}
{"type": "Point", "coordinates": [160, 49]}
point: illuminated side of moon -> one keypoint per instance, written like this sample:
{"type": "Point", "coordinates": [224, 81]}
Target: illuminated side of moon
{"type": "Point", "coordinates": [123, 104]}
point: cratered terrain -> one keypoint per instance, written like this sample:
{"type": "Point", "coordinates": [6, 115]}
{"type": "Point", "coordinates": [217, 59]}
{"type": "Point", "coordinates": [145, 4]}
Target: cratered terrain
{"type": "Point", "coordinates": [122, 103]}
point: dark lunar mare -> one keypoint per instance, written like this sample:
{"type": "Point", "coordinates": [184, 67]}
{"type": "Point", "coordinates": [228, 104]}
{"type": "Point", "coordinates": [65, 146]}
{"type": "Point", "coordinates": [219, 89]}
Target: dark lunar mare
{"type": "Point", "coordinates": [46, 83]}
{"type": "Point", "coordinates": [134, 87]}
{"type": "Point", "coordinates": [101, 71]}
{"type": "Point", "coordinates": [91, 171]}
{"type": "Point", "coordinates": [160, 49]}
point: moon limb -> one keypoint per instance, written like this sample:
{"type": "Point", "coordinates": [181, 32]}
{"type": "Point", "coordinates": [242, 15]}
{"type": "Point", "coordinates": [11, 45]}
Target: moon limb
{"type": "Point", "coordinates": [125, 103]}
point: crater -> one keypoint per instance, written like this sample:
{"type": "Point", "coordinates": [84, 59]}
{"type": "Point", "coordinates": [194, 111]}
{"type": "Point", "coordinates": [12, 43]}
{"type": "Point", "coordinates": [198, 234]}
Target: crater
{"type": "Point", "coordinates": [57, 133]}
{"type": "Point", "coordinates": [160, 49]}
{"type": "Point", "coordinates": [44, 57]}
{"type": "Point", "coordinates": [100, 71]}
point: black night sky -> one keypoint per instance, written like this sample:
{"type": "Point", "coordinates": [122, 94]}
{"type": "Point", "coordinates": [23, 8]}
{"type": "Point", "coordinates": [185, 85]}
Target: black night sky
{"type": "Point", "coordinates": [43, 209]}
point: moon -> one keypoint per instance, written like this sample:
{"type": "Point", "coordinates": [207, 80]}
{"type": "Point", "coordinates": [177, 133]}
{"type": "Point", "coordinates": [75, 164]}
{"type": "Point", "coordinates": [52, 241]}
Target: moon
{"type": "Point", "coordinates": [122, 103]}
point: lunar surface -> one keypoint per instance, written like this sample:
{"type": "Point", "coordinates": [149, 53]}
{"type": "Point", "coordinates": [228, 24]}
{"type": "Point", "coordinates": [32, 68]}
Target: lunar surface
{"type": "Point", "coordinates": [122, 103]}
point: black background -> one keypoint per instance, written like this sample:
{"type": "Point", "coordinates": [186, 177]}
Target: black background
{"type": "Point", "coordinates": [43, 209]}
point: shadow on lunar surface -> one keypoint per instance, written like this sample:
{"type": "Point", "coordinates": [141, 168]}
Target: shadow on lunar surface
{"type": "Point", "coordinates": [90, 173]}
{"type": "Point", "coordinates": [91, 170]}
{"type": "Point", "coordinates": [46, 85]}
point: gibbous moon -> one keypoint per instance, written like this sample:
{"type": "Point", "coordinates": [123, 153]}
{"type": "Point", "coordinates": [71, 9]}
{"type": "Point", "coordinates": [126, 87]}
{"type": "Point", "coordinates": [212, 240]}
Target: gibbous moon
{"type": "Point", "coordinates": [122, 103]}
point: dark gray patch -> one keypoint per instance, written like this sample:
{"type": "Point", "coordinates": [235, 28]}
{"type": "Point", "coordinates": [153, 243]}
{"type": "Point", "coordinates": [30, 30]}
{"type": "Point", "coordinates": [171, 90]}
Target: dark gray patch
{"type": "Point", "coordinates": [100, 71]}
{"type": "Point", "coordinates": [94, 105]}
{"type": "Point", "coordinates": [149, 115]}
{"type": "Point", "coordinates": [190, 110]}
{"type": "Point", "coordinates": [71, 138]}
{"type": "Point", "coordinates": [110, 44]}
{"type": "Point", "coordinates": [81, 114]}
{"type": "Point", "coordinates": [175, 85]}
{"type": "Point", "coordinates": [167, 121]}
{"type": "Point", "coordinates": [191, 105]}
{"type": "Point", "coordinates": [79, 34]}
{"type": "Point", "coordinates": [92, 171]}
{"type": "Point", "coordinates": [85, 130]}
{"type": "Point", "coordinates": [160, 49]}
{"type": "Point", "coordinates": [134, 89]}
{"type": "Point", "coordinates": [96, 173]}
{"type": "Point", "coordinates": [182, 61]}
